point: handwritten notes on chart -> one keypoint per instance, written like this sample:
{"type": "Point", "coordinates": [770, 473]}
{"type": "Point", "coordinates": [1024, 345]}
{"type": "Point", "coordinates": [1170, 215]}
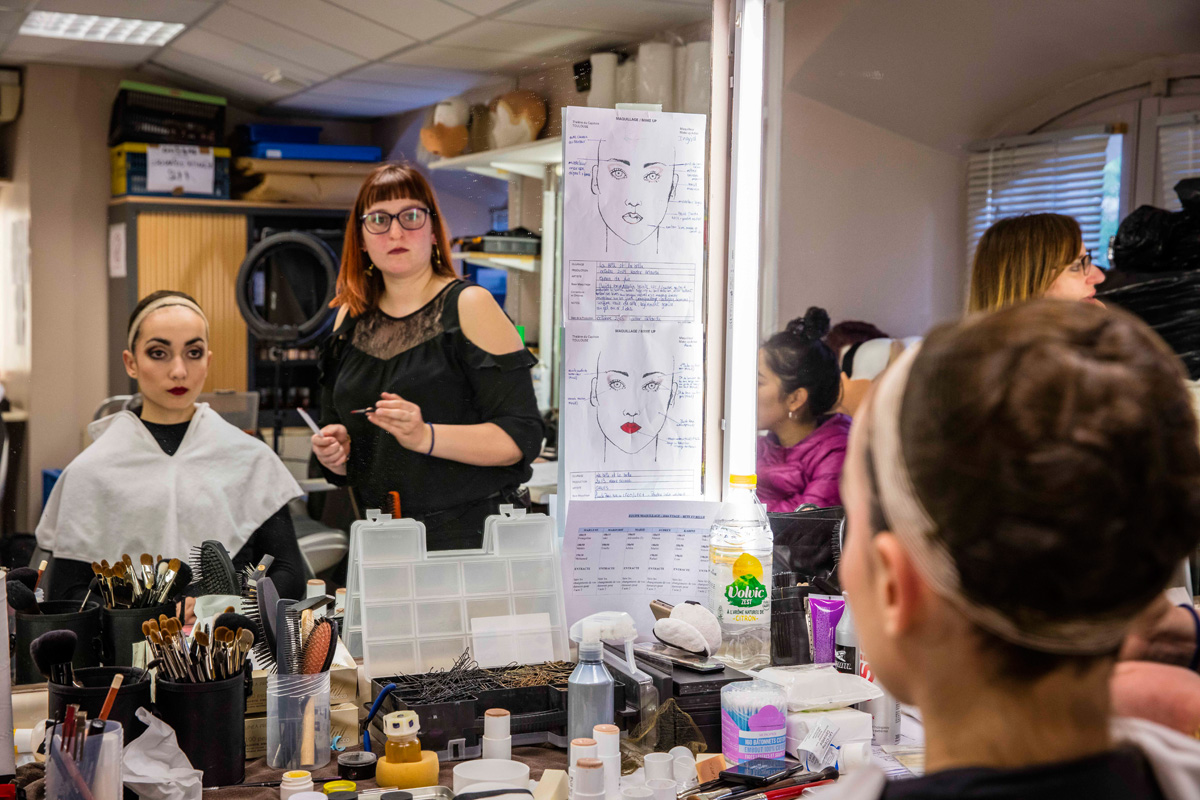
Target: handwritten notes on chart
{"type": "Point", "coordinates": [633, 254]}
{"type": "Point", "coordinates": [620, 556]}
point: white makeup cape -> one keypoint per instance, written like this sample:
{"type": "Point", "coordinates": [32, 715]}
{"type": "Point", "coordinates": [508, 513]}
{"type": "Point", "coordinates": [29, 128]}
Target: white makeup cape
{"type": "Point", "coordinates": [125, 495]}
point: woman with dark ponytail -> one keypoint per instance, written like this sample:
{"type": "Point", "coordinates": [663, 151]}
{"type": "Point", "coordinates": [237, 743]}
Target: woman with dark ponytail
{"type": "Point", "coordinates": [800, 457]}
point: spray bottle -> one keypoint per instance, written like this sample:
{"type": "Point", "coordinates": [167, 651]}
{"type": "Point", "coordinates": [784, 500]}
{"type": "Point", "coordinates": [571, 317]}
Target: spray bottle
{"type": "Point", "coordinates": [590, 687]}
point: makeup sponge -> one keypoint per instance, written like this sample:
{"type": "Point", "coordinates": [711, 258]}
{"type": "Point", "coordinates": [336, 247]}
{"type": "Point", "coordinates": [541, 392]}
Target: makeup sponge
{"type": "Point", "coordinates": [691, 627]}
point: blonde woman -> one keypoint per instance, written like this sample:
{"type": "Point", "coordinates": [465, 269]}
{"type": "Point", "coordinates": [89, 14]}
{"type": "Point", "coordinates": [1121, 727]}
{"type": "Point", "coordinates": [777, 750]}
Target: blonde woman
{"type": "Point", "coordinates": [1032, 256]}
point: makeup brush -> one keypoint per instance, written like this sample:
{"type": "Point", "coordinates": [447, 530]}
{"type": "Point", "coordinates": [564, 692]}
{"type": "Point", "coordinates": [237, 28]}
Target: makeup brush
{"type": "Point", "coordinates": [182, 581]}
{"type": "Point", "coordinates": [21, 598]}
{"type": "Point", "coordinates": [111, 697]}
{"type": "Point", "coordinates": [52, 653]}
{"type": "Point", "coordinates": [147, 575]}
{"type": "Point", "coordinates": [26, 575]}
{"type": "Point", "coordinates": [41, 571]}
{"type": "Point", "coordinates": [93, 586]}
{"type": "Point", "coordinates": [166, 578]}
{"type": "Point", "coordinates": [234, 621]}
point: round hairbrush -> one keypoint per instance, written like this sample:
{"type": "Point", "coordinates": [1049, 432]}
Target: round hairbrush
{"type": "Point", "coordinates": [319, 648]}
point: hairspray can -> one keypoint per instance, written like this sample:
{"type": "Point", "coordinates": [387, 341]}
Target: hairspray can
{"type": "Point", "coordinates": [884, 711]}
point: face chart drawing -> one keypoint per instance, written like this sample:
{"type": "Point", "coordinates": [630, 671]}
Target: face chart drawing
{"type": "Point", "coordinates": [634, 182]}
{"type": "Point", "coordinates": [632, 395]}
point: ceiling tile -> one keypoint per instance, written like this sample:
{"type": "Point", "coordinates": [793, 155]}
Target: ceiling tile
{"type": "Point", "coordinates": [453, 81]}
{"type": "Point", "coordinates": [9, 20]}
{"type": "Point", "coordinates": [242, 26]}
{"type": "Point", "coordinates": [218, 75]}
{"type": "Point", "coordinates": [330, 24]}
{"type": "Point", "coordinates": [516, 37]}
{"type": "Point", "coordinates": [161, 10]}
{"type": "Point", "coordinates": [338, 104]}
{"type": "Point", "coordinates": [625, 16]}
{"type": "Point", "coordinates": [485, 6]}
{"type": "Point", "coordinates": [421, 19]}
{"type": "Point", "coordinates": [233, 55]}
{"type": "Point", "coordinates": [67, 51]}
{"type": "Point", "coordinates": [466, 58]}
{"type": "Point", "coordinates": [380, 92]}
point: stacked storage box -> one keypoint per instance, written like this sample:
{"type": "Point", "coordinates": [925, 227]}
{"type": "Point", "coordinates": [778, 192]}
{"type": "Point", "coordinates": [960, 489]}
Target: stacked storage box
{"type": "Point", "coordinates": [166, 143]}
{"type": "Point", "coordinates": [287, 163]}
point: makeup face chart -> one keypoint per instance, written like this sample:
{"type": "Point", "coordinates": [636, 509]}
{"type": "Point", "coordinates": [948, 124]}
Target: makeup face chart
{"type": "Point", "coordinates": [633, 248]}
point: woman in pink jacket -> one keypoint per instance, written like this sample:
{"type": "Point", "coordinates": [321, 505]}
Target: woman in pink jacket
{"type": "Point", "coordinates": [800, 457]}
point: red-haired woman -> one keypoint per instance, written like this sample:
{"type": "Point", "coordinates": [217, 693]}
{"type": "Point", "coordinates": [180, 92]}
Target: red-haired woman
{"type": "Point", "coordinates": [452, 423]}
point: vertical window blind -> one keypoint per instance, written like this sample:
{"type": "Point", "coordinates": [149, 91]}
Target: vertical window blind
{"type": "Point", "coordinates": [1178, 156]}
{"type": "Point", "coordinates": [1077, 174]}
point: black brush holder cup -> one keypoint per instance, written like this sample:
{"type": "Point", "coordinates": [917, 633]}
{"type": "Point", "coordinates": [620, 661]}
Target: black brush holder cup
{"type": "Point", "coordinates": [209, 722]}
{"type": "Point", "coordinates": [58, 615]}
{"type": "Point", "coordinates": [133, 694]}
{"type": "Point", "coordinates": [122, 629]}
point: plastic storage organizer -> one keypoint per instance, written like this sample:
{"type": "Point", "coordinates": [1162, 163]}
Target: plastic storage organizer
{"type": "Point", "coordinates": [410, 610]}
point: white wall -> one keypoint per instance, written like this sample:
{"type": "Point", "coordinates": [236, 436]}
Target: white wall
{"type": "Point", "coordinates": [871, 223]}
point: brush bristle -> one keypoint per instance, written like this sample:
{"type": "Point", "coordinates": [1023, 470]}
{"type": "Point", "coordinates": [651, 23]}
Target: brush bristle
{"type": "Point", "coordinates": [53, 647]}
{"type": "Point", "coordinates": [21, 597]}
{"type": "Point", "coordinates": [318, 648]}
{"type": "Point", "coordinates": [264, 652]}
{"type": "Point", "coordinates": [183, 579]}
{"type": "Point", "coordinates": [216, 573]}
{"type": "Point", "coordinates": [26, 575]}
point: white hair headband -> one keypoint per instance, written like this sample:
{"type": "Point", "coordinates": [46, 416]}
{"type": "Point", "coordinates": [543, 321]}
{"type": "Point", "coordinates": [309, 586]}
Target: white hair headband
{"type": "Point", "coordinates": [910, 522]}
{"type": "Point", "coordinates": [162, 302]}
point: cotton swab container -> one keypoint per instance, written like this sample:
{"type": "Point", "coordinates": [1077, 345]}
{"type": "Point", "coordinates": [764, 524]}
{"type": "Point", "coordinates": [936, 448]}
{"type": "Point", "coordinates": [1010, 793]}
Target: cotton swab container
{"type": "Point", "coordinates": [753, 721]}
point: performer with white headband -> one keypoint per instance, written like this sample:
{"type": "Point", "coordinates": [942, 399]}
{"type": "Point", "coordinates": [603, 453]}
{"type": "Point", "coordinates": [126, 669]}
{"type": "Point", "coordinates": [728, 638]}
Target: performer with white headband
{"type": "Point", "coordinates": [1018, 490]}
{"type": "Point", "coordinates": [172, 475]}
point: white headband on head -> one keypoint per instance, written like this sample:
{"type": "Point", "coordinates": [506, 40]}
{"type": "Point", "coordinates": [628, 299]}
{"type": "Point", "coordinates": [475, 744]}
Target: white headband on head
{"type": "Point", "coordinates": [907, 518]}
{"type": "Point", "coordinates": [162, 302]}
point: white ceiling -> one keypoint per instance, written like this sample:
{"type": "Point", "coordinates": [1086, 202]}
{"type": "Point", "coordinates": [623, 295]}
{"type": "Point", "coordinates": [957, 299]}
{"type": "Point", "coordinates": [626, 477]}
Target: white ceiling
{"type": "Point", "coordinates": [353, 58]}
{"type": "Point", "coordinates": [945, 72]}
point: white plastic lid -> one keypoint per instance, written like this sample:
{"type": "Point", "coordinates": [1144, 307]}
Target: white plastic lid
{"type": "Point", "coordinates": [611, 626]}
{"type": "Point", "coordinates": [401, 723]}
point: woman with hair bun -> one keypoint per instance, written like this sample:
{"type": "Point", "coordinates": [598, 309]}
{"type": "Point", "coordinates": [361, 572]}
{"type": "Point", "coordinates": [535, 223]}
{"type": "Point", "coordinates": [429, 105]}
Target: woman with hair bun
{"type": "Point", "coordinates": [800, 457]}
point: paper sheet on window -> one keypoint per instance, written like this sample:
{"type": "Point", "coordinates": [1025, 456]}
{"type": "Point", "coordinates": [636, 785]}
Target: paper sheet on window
{"type": "Point", "coordinates": [633, 215]}
{"type": "Point", "coordinates": [620, 556]}
{"type": "Point", "coordinates": [632, 410]}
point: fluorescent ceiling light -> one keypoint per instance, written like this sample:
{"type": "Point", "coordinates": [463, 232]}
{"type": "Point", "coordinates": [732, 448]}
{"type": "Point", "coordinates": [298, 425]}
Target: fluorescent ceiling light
{"type": "Point", "coordinates": [91, 28]}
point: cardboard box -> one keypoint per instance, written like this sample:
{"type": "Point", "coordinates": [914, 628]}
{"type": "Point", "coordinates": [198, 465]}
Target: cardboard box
{"type": "Point", "coordinates": [256, 736]}
{"type": "Point", "coordinates": [343, 688]}
{"type": "Point", "coordinates": [343, 721]}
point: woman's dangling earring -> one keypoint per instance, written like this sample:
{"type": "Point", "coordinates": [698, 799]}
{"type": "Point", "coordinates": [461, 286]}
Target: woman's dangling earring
{"type": "Point", "coordinates": [791, 415]}
{"type": "Point", "coordinates": [370, 267]}
{"type": "Point", "coordinates": [436, 258]}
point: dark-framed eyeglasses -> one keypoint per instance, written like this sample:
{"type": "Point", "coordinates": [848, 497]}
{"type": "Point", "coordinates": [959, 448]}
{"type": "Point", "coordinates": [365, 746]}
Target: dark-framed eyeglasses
{"type": "Point", "coordinates": [411, 219]}
{"type": "Point", "coordinates": [1085, 261]}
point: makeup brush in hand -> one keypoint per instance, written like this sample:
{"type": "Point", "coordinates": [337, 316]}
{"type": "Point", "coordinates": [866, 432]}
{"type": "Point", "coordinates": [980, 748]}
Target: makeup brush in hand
{"type": "Point", "coordinates": [21, 598]}
{"type": "Point", "coordinates": [52, 652]}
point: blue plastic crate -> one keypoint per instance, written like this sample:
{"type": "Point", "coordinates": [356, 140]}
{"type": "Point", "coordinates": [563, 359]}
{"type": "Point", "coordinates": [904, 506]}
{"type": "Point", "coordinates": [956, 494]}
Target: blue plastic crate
{"type": "Point", "coordinates": [290, 134]}
{"type": "Point", "coordinates": [315, 152]}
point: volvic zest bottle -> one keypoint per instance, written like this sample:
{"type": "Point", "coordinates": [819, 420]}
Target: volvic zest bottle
{"type": "Point", "coordinates": [739, 576]}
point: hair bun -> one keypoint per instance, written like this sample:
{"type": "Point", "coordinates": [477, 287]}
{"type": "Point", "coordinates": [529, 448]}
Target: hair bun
{"type": "Point", "coordinates": [814, 325]}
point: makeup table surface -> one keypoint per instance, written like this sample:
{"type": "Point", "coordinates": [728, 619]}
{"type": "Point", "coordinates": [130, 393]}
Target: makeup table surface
{"type": "Point", "coordinates": [538, 758]}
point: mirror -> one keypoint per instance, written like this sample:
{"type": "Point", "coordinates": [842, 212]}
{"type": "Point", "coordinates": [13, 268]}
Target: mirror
{"type": "Point", "coordinates": [260, 250]}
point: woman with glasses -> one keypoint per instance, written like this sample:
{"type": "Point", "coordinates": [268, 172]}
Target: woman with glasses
{"type": "Point", "coordinates": [426, 385]}
{"type": "Point", "coordinates": [1031, 256]}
